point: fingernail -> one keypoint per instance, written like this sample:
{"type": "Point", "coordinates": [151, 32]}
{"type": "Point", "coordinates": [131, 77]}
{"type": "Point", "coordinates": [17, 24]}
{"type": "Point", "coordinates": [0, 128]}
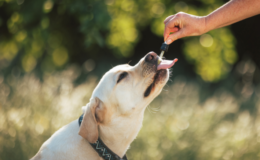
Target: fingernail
{"type": "Point", "coordinates": [168, 41]}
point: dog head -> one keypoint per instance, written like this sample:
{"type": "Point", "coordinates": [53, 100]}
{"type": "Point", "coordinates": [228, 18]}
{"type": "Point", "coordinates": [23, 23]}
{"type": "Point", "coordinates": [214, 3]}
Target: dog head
{"type": "Point", "coordinates": [123, 91]}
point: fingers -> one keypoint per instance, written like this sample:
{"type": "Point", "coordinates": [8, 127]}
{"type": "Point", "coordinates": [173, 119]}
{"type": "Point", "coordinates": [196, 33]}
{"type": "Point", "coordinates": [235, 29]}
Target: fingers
{"type": "Point", "coordinates": [182, 25]}
{"type": "Point", "coordinates": [172, 24]}
{"type": "Point", "coordinates": [174, 36]}
{"type": "Point", "coordinates": [168, 18]}
{"type": "Point", "coordinates": [167, 32]}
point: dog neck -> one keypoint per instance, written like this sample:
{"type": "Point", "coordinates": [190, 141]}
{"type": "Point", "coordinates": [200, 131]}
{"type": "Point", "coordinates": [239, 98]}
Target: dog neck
{"type": "Point", "coordinates": [120, 132]}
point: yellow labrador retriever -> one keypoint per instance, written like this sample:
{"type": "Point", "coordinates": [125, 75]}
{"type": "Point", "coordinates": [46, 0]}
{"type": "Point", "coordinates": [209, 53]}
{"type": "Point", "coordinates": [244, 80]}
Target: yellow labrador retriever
{"type": "Point", "coordinates": [114, 115]}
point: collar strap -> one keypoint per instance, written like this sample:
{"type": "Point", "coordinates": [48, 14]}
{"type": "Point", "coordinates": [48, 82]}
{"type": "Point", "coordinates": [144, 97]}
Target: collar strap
{"type": "Point", "coordinates": [102, 150]}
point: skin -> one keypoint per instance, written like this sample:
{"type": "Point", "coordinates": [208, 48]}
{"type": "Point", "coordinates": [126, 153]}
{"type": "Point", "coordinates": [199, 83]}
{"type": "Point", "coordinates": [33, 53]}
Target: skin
{"type": "Point", "coordinates": [184, 25]}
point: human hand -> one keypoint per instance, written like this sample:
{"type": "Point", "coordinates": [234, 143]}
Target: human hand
{"type": "Point", "coordinates": [183, 25]}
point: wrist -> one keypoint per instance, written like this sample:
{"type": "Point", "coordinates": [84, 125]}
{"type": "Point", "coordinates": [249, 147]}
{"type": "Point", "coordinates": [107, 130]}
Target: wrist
{"type": "Point", "coordinates": [210, 23]}
{"type": "Point", "coordinates": [205, 24]}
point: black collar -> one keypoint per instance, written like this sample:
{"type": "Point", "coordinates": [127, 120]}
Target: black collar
{"type": "Point", "coordinates": [102, 149]}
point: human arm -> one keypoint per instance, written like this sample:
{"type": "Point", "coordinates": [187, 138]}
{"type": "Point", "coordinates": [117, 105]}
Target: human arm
{"type": "Point", "coordinates": [183, 24]}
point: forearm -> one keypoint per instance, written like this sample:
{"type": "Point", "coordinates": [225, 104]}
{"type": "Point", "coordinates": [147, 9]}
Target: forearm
{"type": "Point", "coordinates": [231, 12]}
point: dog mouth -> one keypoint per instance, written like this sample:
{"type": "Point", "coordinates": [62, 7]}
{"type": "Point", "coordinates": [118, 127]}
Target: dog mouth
{"type": "Point", "coordinates": [160, 74]}
{"type": "Point", "coordinates": [157, 77]}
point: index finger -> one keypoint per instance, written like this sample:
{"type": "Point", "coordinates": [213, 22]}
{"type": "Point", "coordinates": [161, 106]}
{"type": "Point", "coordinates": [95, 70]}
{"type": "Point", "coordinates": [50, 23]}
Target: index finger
{"type": "Point", "coordinates": [167, 31]}
{"type": "Point", "coordinates": [168, 18]}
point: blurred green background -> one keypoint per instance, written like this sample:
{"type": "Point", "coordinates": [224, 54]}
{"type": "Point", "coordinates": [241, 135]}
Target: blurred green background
{"type": "Point", "coordinates": [53, 53]}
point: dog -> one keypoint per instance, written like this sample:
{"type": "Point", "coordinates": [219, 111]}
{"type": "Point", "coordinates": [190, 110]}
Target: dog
{"type": "Point", "coordinates": [114, 114]}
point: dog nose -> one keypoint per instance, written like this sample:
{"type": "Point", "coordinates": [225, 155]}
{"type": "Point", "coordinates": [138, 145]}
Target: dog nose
{"type": "Point", "coordinates": [151, 57]}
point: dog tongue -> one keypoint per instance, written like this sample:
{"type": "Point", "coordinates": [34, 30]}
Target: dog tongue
{"type": "Point", "coordinates": [165, 64]}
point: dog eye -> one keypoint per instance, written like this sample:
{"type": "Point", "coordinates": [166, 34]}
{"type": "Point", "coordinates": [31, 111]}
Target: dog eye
{"type": "Point", "coordinates": [122, 76]}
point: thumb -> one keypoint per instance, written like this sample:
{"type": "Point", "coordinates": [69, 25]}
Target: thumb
{"type": "Point", "coordinates": [174, 36]}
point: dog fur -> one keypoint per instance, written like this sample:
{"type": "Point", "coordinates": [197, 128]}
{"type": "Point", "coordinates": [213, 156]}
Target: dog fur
{"type": "Point", "coordinates": [115, 114]}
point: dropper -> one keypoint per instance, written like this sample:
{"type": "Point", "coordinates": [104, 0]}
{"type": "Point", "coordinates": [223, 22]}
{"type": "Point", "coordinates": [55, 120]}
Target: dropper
{"type": "Point", "coordinates": [164, 48]}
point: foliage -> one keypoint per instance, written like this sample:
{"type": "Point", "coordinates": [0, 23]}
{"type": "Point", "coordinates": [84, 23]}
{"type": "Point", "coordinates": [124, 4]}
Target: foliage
{"type": "Point", "coordinates": [36, 110]}
{"type": "Point", "coordinates": [53, 52]}
{"type": "Point", "coordinates": [213, 55]}
{"type": "Point", "coordinates": [186, 129]}
{"type": "Point", "coordinates": [46, 35]}
{"type": "Point", "coordinates": [176, 124]}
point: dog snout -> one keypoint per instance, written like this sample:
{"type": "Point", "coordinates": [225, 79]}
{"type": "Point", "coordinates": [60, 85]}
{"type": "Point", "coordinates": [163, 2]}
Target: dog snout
{"type": "Point", "coordinates": [151, 58]}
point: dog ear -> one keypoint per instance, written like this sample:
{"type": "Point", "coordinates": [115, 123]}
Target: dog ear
{"type": "Point", "coordinates": [93, 115]}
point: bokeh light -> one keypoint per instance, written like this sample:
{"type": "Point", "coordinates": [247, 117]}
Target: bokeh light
{"type": "Point", "coordinates": [53, 53]}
